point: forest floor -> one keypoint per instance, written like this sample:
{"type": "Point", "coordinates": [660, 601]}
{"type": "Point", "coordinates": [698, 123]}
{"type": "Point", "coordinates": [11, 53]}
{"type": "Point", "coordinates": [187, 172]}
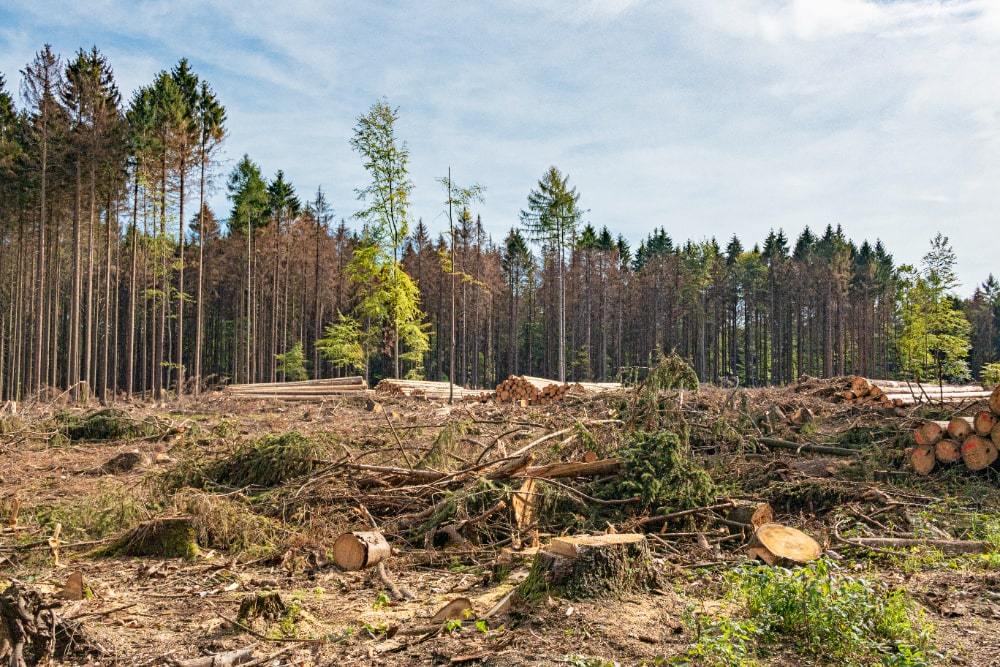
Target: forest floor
{"type": "Point", "coordinates": [268, 487]}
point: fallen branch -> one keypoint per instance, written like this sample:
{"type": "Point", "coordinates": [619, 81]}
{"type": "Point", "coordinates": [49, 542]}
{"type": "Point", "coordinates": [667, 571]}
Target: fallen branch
{"type": "Point", "coordinates": [677, 515]}
{"type": "Point", "coordinates": [807, 447]}
{"type": "Point", "coordinates": [946, 546]}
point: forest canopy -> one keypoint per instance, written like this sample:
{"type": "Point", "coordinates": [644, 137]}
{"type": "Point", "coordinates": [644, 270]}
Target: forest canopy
{"type": "Point", "coordinates": [117, 277]}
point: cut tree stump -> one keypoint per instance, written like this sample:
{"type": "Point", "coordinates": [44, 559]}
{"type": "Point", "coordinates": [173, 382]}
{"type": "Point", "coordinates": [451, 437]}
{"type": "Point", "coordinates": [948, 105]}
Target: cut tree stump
{"type": "Point", "coordinates": [921, 458]}
{"type": "Point", "coordinates": [775, 544]}
{"type": "Point", "coordinates": [978, 452]}
{"type": "Point", "coordinates": [360, 549]}
{"type": "Point", "coordinates": [592, 566]}
{"type": "Point", "coordinates": [947, 450]}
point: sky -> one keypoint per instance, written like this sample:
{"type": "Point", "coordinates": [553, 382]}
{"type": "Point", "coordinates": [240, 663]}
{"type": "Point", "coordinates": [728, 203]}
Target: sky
{"type": "Point", "coordinates": [708, 119]}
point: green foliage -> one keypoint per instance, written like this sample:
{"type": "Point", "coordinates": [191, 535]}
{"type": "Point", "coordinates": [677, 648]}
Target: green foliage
{"type": "Point", "coordinates": [343, 345]}
{"type": "Point", "coordinates": [248, 193]}
{"type": "Point", "coordinates": [648, 409]}
{"type": "Point", "coordinates": [662, 472]}
{"type": "Point", "coordinates": [265, 462]}
{"type": "Point", "coordinates": [990, 373]}
{"type": "Point", "coordinates": [293, 363]}
{"type": "Point", "coordinates": [830, 617]}
{"type": "Point", "coordinates": [934, 337]}
{"type": "Point", "coordinates": [107, 424]}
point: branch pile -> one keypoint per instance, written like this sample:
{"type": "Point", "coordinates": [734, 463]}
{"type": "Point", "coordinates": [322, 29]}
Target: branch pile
{"type": "Point", "coordinates": [973, 440]}
{"type": "Point", "coordinates": [303, 391]}
{"type": "Point", "coordinates": [894, 393]}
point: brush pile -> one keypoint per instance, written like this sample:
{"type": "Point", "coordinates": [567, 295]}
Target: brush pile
{"type": "Point", "coordinates": [973, 440]}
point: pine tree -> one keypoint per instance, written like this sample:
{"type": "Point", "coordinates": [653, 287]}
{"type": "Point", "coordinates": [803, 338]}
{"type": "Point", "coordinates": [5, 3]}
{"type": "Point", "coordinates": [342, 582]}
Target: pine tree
{"type": "Point", "coordinates": [551, 218]}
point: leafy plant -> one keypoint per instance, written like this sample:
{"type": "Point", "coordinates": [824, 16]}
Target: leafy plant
{"type": "Point", "coordinates": [831, 617]}
{"type": "Point", "coordinates": [292, 363]}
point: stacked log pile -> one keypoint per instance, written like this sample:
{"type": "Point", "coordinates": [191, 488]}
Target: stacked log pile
{"type": "Point", "coordinates": [973, 440]}
{"type": "Point", "coordinates": [304, 391]}
{"type": "Point", "coordinates": [436, 391]}
{"type": "Point", "coordinates": [528, 390]}
{"type": "Point", "coordinates": [893, 393]}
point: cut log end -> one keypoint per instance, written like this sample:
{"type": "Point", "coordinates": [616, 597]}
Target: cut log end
{"type": "Point", "coordinates": [978, 452]}
{"type": "Point", "coordinates": [921, 458]}
{"type": "Point", "coordinates": [786, 543]}
{"type": "Point", "coordinates": [928, 433]}
{"type": "Point", "coordinates": [947, 451]}
{"type": "Point", "coordinates": [360, 549]}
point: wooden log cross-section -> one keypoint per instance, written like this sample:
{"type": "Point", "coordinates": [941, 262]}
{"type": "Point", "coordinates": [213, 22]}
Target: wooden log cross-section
{"type": "Point", "coordinates": [360, 549]}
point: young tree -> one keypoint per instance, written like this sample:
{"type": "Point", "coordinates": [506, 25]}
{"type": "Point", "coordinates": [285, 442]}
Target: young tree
{"type": "Point", "coordinates": [461, 198]}
{"type": "Point", "coordinates": [934, 336]}
{"type": "Point", "coordinates": [392, 298]}
{"type": "Point", "coordinates": [551, 219]}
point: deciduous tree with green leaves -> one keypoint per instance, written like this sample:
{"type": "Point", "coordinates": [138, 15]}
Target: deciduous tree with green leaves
{"type": "Point", "coordinates": [933, 340]}
{"type": "Point", "coordinates": [391, 299]}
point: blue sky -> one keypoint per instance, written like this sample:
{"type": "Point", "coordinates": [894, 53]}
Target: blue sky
{"type": "Point", "coordinates": [706, 118]}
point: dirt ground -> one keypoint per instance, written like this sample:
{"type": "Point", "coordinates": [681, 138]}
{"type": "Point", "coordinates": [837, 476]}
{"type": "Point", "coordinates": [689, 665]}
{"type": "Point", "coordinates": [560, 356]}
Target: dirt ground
{"type": "Point", "coordinates": [278, 538]}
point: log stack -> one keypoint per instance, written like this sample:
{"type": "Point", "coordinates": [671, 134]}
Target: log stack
{"type": "Point", "coordinates": [426, 389]}
{"type": "Point", "coordinates": [973, 440]}
{"type": "Point", "coordinates": [895, 393]}
{"type": "Point", "coordinates": [529, 390]}
{"type": "Point", "coordinates": [303, 391]}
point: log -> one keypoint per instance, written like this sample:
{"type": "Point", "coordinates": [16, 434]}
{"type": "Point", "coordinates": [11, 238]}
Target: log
{"type": "Point", "coordinates": [360, 549]}
{"type": "Point", "coordinates": [775, 543]}
{"type": "Point", "coordinates": [947, 546]}
{"type": "Point", "coordinates": [575, 469]}
{"type": "Point", "coordinates": [978, 452]}
{"type": "Point", "coordinates": [921, 458]}
{"type": "Point", "coordinates": [861, 387]}
{"type": "Point", "coordinates": [995, 434]}
{"type": "Point", "coordinates": [994, 401]}
{"type": "Point", "coordinates": [807, 447]}
{"type": "Point", "coordinates": [959, 428]}
{"type": "Point", "coordinates": [588, 566]}
{"type": "Point", "coordinates": [983, 422]}
{"type": "Point", "coordinates": [947, 451]}
{"type": "Point", "coordinates": [929, 432]}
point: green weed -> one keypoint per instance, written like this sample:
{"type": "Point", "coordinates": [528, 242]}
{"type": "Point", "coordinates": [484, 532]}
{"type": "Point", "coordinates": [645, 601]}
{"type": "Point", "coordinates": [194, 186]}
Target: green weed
{"type": "Point", "coordinates": [830, 617]}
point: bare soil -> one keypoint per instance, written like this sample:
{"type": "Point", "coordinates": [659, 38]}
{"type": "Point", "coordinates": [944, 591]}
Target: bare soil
{"type": "Point", "coordinates": [150, 611]}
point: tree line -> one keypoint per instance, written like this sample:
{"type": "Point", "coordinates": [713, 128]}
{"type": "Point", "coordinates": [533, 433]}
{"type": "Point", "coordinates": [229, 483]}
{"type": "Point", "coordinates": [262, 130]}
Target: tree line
{"type": "Point", "coordinates": [117, 278]}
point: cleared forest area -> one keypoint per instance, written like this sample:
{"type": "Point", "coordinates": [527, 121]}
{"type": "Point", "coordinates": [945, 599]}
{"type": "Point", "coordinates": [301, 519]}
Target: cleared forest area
{"type": "Point", "coordinates": [623, 526]}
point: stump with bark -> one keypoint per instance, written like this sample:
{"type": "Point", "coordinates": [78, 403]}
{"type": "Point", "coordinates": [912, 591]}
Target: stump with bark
{"type": "Point", "coordinates": [163, 537]}
{"type": "Point", "coordinates": [592, 566]}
